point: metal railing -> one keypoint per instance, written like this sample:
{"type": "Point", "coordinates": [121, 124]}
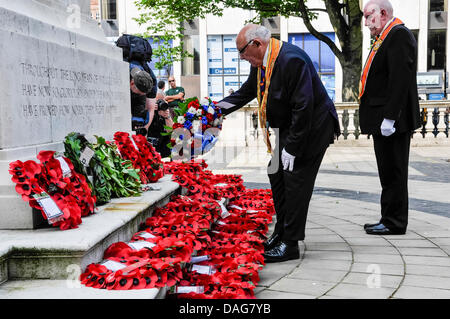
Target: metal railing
{"type": "Point", "coordinates": [434, 115]}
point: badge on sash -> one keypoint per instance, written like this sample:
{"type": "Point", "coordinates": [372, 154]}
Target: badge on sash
{"type": "Point", "coordinates": [377, 44]}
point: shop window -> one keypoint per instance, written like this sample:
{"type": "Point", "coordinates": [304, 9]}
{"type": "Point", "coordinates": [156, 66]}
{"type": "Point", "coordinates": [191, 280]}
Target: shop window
{"type": "Point", "coordinates": [226, 71]}
{"type": "Point", "coordinates": [436, 49]}
{"type": "Point", "coordinates": [321, 56]}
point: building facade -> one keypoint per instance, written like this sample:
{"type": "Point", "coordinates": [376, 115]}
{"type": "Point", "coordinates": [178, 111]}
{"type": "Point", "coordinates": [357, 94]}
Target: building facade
{"type": "Point", "coordinates": [216, 70]}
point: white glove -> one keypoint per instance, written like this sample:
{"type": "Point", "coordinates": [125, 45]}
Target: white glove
{"type": "Point", "coordinates": [287, 160]}
{"type": "Point", "coordinates": [387, 127]}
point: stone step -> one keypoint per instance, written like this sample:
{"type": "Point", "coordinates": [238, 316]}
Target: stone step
{"type": "Point", "coordinates": [52, 254]}
{"type": "Point", "coordinates": [71, 289]}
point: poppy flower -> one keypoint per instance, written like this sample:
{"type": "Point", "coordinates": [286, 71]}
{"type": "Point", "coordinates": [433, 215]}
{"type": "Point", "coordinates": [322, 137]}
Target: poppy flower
{"type": "Point", "coordinates": [182, 226]}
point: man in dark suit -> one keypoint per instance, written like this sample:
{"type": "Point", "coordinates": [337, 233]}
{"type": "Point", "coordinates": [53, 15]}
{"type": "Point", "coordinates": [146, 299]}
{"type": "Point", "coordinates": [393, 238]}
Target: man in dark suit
{"type": "Point", "coordinates": [389, 110]}
{"type": "Point", "coordinates": [295, 104]}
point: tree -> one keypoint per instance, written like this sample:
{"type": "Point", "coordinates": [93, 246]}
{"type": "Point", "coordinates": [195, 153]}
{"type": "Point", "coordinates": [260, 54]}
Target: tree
{"type": "Point", "coordinates": [345, 17]}
{"type": "Point", "coordinates": [164, 23]}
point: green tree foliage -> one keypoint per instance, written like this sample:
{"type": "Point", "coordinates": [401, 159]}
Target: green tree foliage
{"type": "Point", "coordinates": [167, 17]}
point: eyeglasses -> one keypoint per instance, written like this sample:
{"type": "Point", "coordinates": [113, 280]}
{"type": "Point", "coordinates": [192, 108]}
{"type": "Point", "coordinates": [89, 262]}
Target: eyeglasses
{"type": "Point", "coordinates": [241, 51]}
{"type": "Point", "coordinates": [171, 81]}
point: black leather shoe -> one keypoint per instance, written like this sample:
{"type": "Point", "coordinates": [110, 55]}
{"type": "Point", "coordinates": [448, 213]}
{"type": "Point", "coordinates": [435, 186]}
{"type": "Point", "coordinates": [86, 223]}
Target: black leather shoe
{"type": "Point", "coordinates": [272, 241]}
{"type": "Point", "coordinates": [281, 252]}
{"type": "Point", "coordinates": [371, 225]}
{"type": "Point", "coordinates": [383, 230]}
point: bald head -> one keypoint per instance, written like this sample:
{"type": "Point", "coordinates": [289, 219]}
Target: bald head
{"type": "Point", "coordinates": [252, 42]}
{"type": "Point", "coordinates": [383, 4]}
{"type": "Point", "coordinates": [377, 14]}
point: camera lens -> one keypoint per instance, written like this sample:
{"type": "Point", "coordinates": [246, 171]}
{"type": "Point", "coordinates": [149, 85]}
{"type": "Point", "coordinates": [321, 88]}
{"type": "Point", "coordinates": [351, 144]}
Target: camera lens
{"type": "Point", "coordinates": [162, 105]}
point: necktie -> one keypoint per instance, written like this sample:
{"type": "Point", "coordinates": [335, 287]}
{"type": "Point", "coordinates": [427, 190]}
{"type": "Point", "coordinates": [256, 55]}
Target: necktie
{"type": "Point", "coordinates": [262, 83]}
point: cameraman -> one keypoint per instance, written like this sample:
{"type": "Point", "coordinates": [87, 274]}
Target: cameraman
{"type": "Point", "coordinates": [161, 118]}
{"type": "Point", "coordinates": [141, 84]}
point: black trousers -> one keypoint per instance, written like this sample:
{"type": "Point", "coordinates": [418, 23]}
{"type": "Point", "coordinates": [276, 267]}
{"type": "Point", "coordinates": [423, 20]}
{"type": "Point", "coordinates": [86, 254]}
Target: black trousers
{"type": "Point", "coordinates": [392, 154]}
{"type": "Point", "coordinates": [292, 193]}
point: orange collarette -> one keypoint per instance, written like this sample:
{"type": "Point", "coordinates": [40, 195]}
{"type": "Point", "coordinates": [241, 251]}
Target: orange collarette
{"type": "Point", "coordinates": [274, 50]}
{"type": "Point", "coordinates": [377, 44]}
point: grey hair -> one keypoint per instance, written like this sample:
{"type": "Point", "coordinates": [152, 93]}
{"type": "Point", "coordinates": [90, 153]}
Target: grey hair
{"type": "Point", "coordinates": [258, 31]}
{"type": "Point", "coordinates": [383, 4]}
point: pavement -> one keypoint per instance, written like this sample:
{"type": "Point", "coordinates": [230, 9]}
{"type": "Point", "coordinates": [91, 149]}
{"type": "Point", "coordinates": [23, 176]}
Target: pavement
{"type": "Point", "coordinates": [338, 259]}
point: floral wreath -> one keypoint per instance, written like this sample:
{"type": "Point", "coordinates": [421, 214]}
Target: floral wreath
{"type": "Point", "coordinates": [68, 189]}
{"type": "Point", "coordinates": [203, 122]}
{"type": "Point", "coordinates": [190, 245]}
{"type": "Point", "coordinates": [142, 154]}
{"type": "Point", "coordinates": [113, 176]}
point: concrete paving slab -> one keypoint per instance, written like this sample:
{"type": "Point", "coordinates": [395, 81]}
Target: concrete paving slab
{"type": "Point", "coordinates": [382, 281]}
{"type": "Point", "coordinates": [384, 269]}
{"type": "Point", "coordinates": [301, 286]}
{"type": "Point", "coordinates": [427, 261]}
{"type": "Point", "coordinates": [360, 292]}
{"type": "Point", "coordinates": [329, 255]}
{"type": "Point", "coordinates": [427, 281]}
{"type": "Point", "coordinates": [412, 243]}
{"type": "Point", "coordinates": [367, 241]}
{"type": "Point", "coordinates": [273, 294]}
{"type": "Point", "coordinates": [323, 239]}
{"type": "Point", "coordinates": [441, 271]}
{"type": "Point", "coordinates": [408, 292]}
{"type": "Point", "coordinates": [378, 258]}
{"type": "Point", "coordinates": [328, 246]}
{"type": "Point", "coordinates": [326, 264]}
{"type": "Point", "coordinates": [379, 250]}
{"type": "Point", "coordinates": [432, 252]}
{"type": "Point", "coordinates": [328, 275]}
{"type": "Point", "coordinates": [441, 241]}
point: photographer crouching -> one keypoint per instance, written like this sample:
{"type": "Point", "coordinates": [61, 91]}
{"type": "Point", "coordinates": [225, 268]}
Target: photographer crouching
{"type": "Point", "coordinates": [161, 118]}
{"type": "Point", "coordinates": [141, 87]}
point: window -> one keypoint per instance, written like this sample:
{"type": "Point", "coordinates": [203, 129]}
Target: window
{"type": "Point", "coordinates": [191, 66]}
{"type": "Point", "coordinates": [436, 49]}
{"type": "Point", "coordinates": [109, 10]}
{"type": "Point", "coordinates": [226, 71]}
{"type": "Point", "coordinates": [161, 74]}
{"type": "Point", "coordinates": [321, 56]}
{"type": "Point", "coordinates": [438, 5]}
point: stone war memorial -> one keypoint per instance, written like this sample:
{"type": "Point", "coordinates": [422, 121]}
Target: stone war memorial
{"type": "Point", "coordinates": [90, 210]}
{"type": "Point", "coordinates": [58, 75]}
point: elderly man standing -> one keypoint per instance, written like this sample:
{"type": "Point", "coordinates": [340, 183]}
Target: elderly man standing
{"type": "Point", "coordinates": [292, 101]}
{"type": "Point", "coordinates": [389, 110]}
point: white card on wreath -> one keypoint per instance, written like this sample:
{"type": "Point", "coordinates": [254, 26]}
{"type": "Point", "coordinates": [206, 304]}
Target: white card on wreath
{"type": "Point", "coordinates": [51, 210]}
{"type": "Point", "coordinates": [138, 245]}
{"type": "Point", "coordinates": [66, 171]}
{"type": "Point", "coordinates": [113, 265]}
{"type": "Point", "coordinates": [86, 156]}
{"type": "Point", "coordinates": [188, 289]}
{"type": "Point", "coordinates": [197, 259]}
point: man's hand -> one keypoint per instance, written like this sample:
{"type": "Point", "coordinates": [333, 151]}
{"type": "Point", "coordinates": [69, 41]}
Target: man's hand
{"type": "Point", "coordinates": [387, 127]}
{"type": "Point", "coordinates": [287, 160]}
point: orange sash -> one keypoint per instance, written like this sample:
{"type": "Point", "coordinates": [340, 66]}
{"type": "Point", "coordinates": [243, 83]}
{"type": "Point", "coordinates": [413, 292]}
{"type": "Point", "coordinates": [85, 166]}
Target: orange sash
{"type": "Point", "coordinates": [274, 50]}
{"type": "Point", "coordinates": [376, 45]}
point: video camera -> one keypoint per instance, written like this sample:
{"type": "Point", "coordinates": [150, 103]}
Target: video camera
{"type": "Point", "coordinates": [162, 105]}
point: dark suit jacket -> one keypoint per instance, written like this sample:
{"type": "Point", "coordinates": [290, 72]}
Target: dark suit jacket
{"type": "Point", "coordinates": [391, 87]}
{"type": "Point", "coordinates": [297, 103]}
